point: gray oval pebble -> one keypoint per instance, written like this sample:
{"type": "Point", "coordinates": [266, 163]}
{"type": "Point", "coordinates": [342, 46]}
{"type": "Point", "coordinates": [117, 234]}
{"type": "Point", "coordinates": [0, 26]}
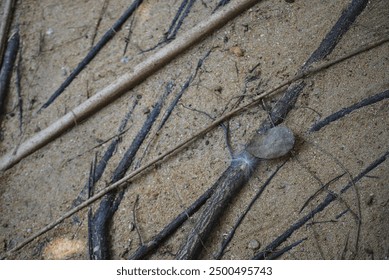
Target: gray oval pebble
{"type": "Point", "coordinates": [276, 142]}
{"type": "Point", "coordinates": [254, 244]}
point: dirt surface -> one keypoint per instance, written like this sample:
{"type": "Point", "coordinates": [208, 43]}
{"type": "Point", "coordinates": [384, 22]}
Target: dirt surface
{"type": "Point", "coordinates": [274, 35]}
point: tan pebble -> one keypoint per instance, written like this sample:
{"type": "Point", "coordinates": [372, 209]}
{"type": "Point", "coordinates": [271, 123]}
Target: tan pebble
{"type": "Point", "coordinates": [237, 51]}
{"type": "Point", "coordinates": [63, 248]}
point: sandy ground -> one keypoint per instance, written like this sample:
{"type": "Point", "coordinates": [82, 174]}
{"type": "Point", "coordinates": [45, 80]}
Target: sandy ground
{"type": "Point", "coordinates": [276, 35]}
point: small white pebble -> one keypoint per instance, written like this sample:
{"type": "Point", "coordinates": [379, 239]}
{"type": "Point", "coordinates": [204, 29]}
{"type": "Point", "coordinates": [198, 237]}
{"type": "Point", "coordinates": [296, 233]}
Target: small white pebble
{"type": "Point", "coordinates": [64, 70]}
{"type": "Point", "coordinates": [49, 31]}
{"type": "Point", "coordinates": [253, 244]}
{"type": "Point", "coordinates": [124, 59]}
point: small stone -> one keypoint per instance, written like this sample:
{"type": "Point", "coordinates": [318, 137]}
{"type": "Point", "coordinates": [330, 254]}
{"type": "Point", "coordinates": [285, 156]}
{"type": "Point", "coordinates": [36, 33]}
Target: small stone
{"type": "Point", "coordinates": [237, 51]}
{"type": "Point", "coordinates": [218, 88]}
{"type": "Point", "coordinates": [275, 143]}
{"type": "Point", "coordinates": [64, 71]}
{"type": "Point", "coordinates": [253, 244]}
{"type": "Point", "coordinates": [131, 226]}
{"type": "Point", "coordinates": [50, 31]}
{"type": "Point", "coordinates": [63, 248]}
{"type": "Point", "coordinates": [124, 59]}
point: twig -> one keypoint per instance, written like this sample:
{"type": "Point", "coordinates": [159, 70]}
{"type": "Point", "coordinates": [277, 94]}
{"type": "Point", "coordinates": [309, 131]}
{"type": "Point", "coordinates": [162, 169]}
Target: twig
{"type": "Point", "coordinates": [126, 82]}
{"type": "Point", "coordinates": [323, 187]}
{"type": "Point", "coordinates": [316, 239]}
{"type": "Point", "coordinates": [279, 253]}
{"type": "Point", "coordinates": [90, 249]}
{"type": "Point", "coordinates": [229, 183]}
{"type": "Point", "coordinates": [357, 216]}
{"type": "Point", "coordinates": [230, 235]}
{"type": "Point", "coordinates": [343, 112]}
{"type": "Point", "coordinates": [172, 105]}
{"type": "Point", "coordinates": [19, 91]}
{"type": "Point", "coordinates": [93, 52]}
{"type": "Point", "coordinates": [225, 126]}
{"type": "Point", "coordinates": [115, 136]}
{"type": "Point", "coordinates": [327, 201]}
{"type": "Point", "coordinates": [128, 38]}
{"type": "Point", "coordinates": [249, 78]}
{"type": "Point", "coordinates": [169, 88]}
{"type": "Point", "coordinates": [134, 220]}
{"type": "Point", "coordinates": [110, 202]}
{"type": "Point", "coordinates": [4, 25]}
{"type": "Point", "coordinates": [343, 24]}
{"type": "Point", "coordinates": [321, 222]}
{"type": "Point", "coordinates": [343, 255]}
{"type": "Point", "coordinates": [169, 110]}
{"type": "Point", "coordinates": [181, 14]}
{"type": "Point", "coordinates": [139, 138]}
{"type": "Point", "coordinates": [7, 66]}
{"type": "Point", "coordinates": [102, 164]}
{"type": "Point", "coordinates": [342, 213]}
{"type": "Point", "coordinates": [169, 229]}
{"type": "Point", "coordinates": [90, 185]}
{"type": "Point", "coordinates": [221, 4]}
{"type": "Point", "coordinates": [102, 12]}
